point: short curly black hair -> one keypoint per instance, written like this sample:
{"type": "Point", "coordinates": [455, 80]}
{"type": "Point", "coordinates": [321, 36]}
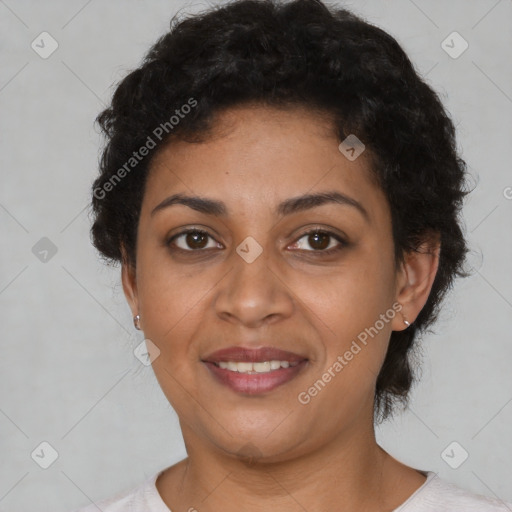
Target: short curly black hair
{"type": "Point", "coordinates": [288, 54]}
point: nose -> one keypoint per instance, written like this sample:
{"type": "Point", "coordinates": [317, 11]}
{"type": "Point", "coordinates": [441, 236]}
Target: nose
{"type": "Point", "coordinates": [253, 293]}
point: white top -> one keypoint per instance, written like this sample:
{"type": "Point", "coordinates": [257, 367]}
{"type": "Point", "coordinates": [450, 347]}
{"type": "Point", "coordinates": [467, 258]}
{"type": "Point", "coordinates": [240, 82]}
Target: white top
{"type": "Point", "coordinates": [435, 495]}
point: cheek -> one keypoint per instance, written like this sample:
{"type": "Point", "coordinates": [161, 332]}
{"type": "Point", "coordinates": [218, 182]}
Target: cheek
{"type": "Point", "coordinates": [352, 309]}
{"type": "Point", "coordinates": [172, 308]}
{"type": "Point", "coordinates": [171, 295]}
{"type": "Point", "coordinates": [353, 296]}
{"type": "Point", "coordinates": [171, 312]}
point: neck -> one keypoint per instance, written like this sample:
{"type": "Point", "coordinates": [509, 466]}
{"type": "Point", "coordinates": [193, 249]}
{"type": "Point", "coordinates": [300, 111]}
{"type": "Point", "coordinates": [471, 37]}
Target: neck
{"type": "Point", "coordinates": [352, 470]}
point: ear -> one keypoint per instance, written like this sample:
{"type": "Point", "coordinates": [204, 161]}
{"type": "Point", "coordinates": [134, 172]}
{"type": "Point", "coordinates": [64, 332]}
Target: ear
{"type": "Point", "coordinates": [129, 281]}
{"type": "Point", "coordinates": [415, 279]}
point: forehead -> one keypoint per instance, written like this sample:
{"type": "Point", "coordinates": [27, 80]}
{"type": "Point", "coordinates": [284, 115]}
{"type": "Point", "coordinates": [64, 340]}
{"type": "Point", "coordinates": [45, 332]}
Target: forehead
{"type": "Point", "coordinates": [255, 157]}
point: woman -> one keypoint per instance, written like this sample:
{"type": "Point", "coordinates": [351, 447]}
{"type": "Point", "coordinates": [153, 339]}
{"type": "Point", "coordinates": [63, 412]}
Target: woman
{"type": "Point", "coordinates": [283, 193]}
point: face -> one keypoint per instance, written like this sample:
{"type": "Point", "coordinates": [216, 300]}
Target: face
{"type": "Point", "coordinates": [262, 267]}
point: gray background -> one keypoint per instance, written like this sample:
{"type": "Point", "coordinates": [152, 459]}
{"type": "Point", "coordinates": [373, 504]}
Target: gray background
{"type": "Point", "coordinates": [68, 375]}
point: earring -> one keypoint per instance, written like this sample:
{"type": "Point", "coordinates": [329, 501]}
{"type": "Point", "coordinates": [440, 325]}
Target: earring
{"type": "Point", "coordinates": [407, 323]}
{"type": "Point", "coordinates": [136, 322]}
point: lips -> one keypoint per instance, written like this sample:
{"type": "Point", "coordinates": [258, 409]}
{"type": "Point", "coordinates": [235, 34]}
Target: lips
{"type": "Point", "coordinates": [282, 367]}
{"type": "Point", "coordinates": [241, 354]}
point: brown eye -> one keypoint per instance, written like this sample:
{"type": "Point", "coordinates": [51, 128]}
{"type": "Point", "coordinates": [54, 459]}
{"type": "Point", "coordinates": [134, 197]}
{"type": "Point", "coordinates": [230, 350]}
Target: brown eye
{"type": "Point", "coordinates": [323, 242]}
{"type": "Point", "coordinates": [192, 240]}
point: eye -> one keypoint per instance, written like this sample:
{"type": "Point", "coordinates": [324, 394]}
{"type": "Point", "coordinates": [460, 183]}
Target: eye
{"type": "Point", "coordinates": [322, 242]}
{"type": "Point", "coordinates": [192, 240]}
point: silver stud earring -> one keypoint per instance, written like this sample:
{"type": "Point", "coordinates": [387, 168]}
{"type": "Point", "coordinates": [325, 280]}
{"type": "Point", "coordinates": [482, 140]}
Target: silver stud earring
{"type": "Point", "coordinates": [136, 322]}
{"type": "Point", "coordinates": [405, 321]}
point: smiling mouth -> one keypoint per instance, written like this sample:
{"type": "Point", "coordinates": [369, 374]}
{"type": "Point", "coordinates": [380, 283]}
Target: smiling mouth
{"type": "Point", "coordinates": [254, 378]}
{"type": "Point", "coordinates": [252, 371]}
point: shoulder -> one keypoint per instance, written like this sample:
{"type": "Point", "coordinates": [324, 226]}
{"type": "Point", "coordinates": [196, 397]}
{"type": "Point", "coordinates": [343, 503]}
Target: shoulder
{"type": "Point", "coordinates": [438, 495]}
{"type": "Point", "coordinates": [141, 498]}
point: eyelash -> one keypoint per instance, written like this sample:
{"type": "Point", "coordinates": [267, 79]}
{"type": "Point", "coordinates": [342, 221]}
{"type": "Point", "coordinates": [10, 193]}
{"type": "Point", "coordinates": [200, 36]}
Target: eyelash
{"type": "Point", "coordinates": [325, 252]}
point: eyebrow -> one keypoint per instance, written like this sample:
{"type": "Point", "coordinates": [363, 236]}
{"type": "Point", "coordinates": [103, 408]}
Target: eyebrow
{"type": "Point", "coordinates": [287, 207]}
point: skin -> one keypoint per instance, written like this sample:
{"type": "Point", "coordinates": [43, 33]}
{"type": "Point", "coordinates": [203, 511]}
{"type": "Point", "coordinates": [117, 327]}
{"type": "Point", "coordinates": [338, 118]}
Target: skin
{"type": "Point", "coordinates": [269, 451]}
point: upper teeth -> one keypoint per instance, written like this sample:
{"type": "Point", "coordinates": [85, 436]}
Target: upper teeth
{"type": "Point", "coordinates": [260, 367]}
